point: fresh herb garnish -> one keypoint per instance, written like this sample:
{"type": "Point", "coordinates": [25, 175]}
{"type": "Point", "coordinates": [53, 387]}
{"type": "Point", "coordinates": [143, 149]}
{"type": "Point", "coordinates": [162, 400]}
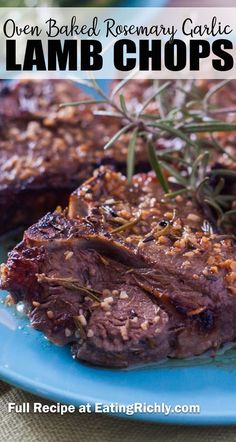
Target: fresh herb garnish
{"type": "Point", "coordinates": [188, 117]}
{"type": "Point", "coordinates": [71, 284]}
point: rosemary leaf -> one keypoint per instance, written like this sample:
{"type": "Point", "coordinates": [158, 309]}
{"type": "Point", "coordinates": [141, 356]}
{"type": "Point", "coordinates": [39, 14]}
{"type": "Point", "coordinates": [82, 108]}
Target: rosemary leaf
{"type": "Point", "coordinates": [131, 156]}
{"type": "Point", "coordinates": [200, 162]}
{"type": "Point", "coordinates": [174, 173]}
{"type": "Point", "coordinates": [215, 88]}
{"type": "Point", "coordinates": [226, 215]}
{"type": "Point", "coordinates": [214, 205]}
{"type": "Point", "coordinates": [118, 134]}
{"type": "Point", "coordinates": [223, 172]}
{"type": "Point", "coordinates": [161, 102]}
{"type": "Point", "coordinates": [173, 131]}
{"type": "Point", "coordinates": [123, 104]}
{"type": "Point", "coordinates": [126, 226]}
{"type": "Point", "coordinates": [158, 91]}
{"type": "Point", "coordinates": [93, 82]}
{"type": "Point", "coordinates": [224, 204]}
{"type": "Point", "coordinates": [108, 114]}
{"type": "Point", "coordinates": [226, 197]}
{"type": "Point", "coordinates": [82, 102]}
{"type": "Point", "coordinates": [176, 193]}
{"type": "Point", "coordinates": [201, 185]}
{"type": "Point", "coordinates": [223, 110]}
{"type": "Point", "coordinates": [152, 117]}
{"type": "Point", "coordinates": [209, 126]}
{"type": "Point", "coordinates": [156, 167]}
{"type": "Point", "coordinates": [219, 187]}
{"type": "Point", "coordinates": [119, 86]}
{"type": "Point", "coordinates": [220, 149]}
{"type": "Point", "coordinates": [171, 158]}
{"type": "Point", "coordinates": [70, 284]}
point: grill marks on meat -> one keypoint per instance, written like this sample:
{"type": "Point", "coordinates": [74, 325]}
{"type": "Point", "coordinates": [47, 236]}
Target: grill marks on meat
{"type": "Point", "coordinates": [171, 296]}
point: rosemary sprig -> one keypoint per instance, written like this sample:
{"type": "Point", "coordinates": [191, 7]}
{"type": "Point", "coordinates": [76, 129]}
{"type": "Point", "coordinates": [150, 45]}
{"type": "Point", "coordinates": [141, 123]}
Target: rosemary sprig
{"type": "Point", "coordinates": [71, 284]}
{"type": "Point", "coordinates": [186, 116]}
{"type": "Point", "coordinates": [126, 226]}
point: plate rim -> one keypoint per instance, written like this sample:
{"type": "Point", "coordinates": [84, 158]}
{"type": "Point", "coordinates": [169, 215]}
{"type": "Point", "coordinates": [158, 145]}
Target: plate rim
{"type": "Point", "coordinates": [58, 395]}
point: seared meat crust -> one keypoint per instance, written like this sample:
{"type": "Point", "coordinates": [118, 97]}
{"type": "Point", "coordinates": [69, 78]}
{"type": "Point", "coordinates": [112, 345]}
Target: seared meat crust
{"type": "Point", "coordinates": [125, 276]}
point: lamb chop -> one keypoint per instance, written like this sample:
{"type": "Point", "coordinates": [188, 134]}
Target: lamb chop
{"type": "Point", "coordinates": [46, 152]}
{"type": "Point", "coordinates": [126, 276]}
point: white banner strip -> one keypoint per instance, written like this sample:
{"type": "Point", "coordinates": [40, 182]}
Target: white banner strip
{"type": "Point", "coordinates": [110, 43]}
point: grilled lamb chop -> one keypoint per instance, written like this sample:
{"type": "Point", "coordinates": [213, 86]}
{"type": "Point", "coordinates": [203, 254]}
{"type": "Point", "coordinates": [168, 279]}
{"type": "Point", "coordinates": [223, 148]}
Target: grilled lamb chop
{"type": "Point", "coordinates": [125, 276]}
{"type": "Point", "coordinates": [45, 153]}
